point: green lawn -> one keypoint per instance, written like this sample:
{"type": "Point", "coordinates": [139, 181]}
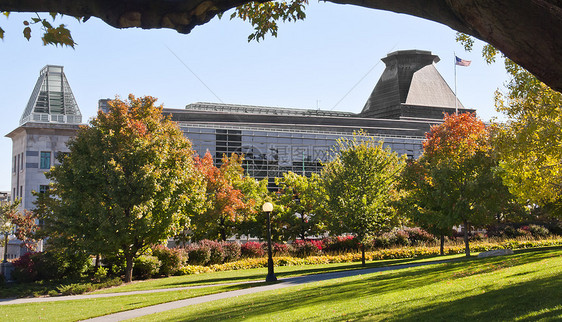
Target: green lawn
{"type": "Point", "coordinates": [258, 274]}
{"type": "Point", "coordinates": [526, 286]}
{"type": "Point", "coordinates": [74, 310]}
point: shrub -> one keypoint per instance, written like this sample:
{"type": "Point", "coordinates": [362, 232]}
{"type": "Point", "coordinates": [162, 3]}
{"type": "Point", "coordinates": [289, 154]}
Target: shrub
{"type": "Point", "coordinates": [400, 238]}
{"type": "Point", "coordinates": [199, 254]}
{"type": "Point", "coordinates": [523, 232]}
{"type": "Point", "coordinates": [115, 264]}
{"type": "Point", "coordinates": [46, 264]}
{"type": "Point", "coordinates": [24, 270]}
{"type": "Point", "coordinates": [383, 241]}
{"type": "Point", "coordinates": [341, 244]}
{"type": "Point", "coordinates": [538, 231]}
{"type": "Point", "coordinates": [145, 266]}
{"type": "Point", "coordinates": [170, 259]}
{"type": "Point", "coordinates": [476, 236]}
{"type": "Point", "coordinates": [74, 289]}
{"type": "Point", "coordinates": [231, 251]}
{"type": "Point", "coordinates": [252, 250]}
{"type": "Point", "coordinates": [302, 248]}
{"type": "Point", "coordinates": [281, 249]}
{"type": "Point", "coordinates": [216, 255]}
{"type": "Point", "coordinates": [418, 236]}
{"type": "Point", "coordinates": [100, 274]}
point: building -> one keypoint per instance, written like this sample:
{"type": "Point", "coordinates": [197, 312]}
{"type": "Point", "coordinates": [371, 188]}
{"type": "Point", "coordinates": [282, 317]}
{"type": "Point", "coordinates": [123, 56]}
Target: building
{"type": "Point", "coordinates": [50, 118]}
{"type": "Point", "coordinates": [410, 96]}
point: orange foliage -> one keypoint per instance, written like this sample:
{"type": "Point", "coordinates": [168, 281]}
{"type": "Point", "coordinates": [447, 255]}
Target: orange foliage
{"type": "Point", "coordinates": [459, 134]}
{"type": "Point", "coordinates": [225, 200]}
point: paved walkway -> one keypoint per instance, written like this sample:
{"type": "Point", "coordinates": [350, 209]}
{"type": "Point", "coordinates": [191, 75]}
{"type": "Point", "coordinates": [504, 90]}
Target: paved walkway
{"type": "Point", "coordinates": [282, 283]}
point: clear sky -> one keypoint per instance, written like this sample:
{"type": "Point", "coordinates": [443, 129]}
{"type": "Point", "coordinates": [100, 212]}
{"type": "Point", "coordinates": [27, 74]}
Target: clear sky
{"type": "Point", "coordinates": [329, 61]}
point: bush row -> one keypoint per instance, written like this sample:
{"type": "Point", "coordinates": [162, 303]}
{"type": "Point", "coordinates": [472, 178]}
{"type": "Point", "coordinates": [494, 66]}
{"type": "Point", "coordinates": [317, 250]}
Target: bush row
{"type": "Point", "coordinates": [162, 261]}
{"type": "Point", "coordinates": [381, 254]}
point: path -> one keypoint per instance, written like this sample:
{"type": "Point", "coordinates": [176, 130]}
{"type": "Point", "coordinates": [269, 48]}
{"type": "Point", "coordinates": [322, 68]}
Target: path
{"type": "Point", "coordinates": [282, 283]}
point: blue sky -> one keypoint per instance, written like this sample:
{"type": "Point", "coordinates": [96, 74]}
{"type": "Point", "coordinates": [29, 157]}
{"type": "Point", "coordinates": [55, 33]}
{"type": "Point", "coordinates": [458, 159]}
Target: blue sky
{"type": "Point", "coordinates": [330, 61]}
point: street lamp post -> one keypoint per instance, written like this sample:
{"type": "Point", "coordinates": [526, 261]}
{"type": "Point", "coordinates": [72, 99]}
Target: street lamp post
{"type": "Point", "coordinates": [6, 227]}
{"type": "Point", "coordinates": [268, 208]}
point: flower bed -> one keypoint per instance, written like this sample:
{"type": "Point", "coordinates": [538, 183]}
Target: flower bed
{"type": "Point", "coordinates": [394, 253]}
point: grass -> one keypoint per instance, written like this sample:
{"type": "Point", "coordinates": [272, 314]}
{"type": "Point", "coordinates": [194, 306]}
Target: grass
{"type": "Point", "coordinates": [73, 310]}
{"type": "Point", "coordinates": [526, 286]}
{"type": "Point", "coordinates": [258, 274]}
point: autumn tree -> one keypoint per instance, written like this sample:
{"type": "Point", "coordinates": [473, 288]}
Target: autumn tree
{"type": "Point", "coordinates": [359, 185]}
{"type": "Point", "coordinates": [299, 198]}
{"type": "Point", "coordinates": [529, 141]}
{"type": "Point", "coordinates": [223, 202]}
{"type": "Point", "coordinates": [422, 203]}
{"type": "Point", "coordinates": [455, 181]}
{"type": "Point", "coordinates": [127, 182]}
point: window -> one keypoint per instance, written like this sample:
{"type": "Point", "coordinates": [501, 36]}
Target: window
{"type": "Point", "coordinates": [15, 160]}
{"type": "Point", "coordinates": [45, 161]}
{"type": "Point", "coordinates": [43, 188]}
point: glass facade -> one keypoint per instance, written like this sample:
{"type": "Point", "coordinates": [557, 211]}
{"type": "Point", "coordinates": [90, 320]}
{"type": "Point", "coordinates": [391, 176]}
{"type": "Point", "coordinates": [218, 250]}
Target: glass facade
{"type": "Point", "coordinates": [269, 152]}
{"type": "Point", "coordinates": [52, 99]}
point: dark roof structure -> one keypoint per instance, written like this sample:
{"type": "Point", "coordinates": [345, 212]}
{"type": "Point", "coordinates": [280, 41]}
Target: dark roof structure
{"type": "Point", "coordinates": [409, 97]}
{"type": "Point", "coordinates": [411, 88]}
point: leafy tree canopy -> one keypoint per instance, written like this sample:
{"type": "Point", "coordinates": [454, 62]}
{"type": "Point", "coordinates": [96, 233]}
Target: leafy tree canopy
{"type": "Point", "coordinates": [127, 183]}
{"type": "Point", "coordinates": [359, 186]}
{"type": "Point", "coordinates": [301, 198]}
{"type": "Point", "coordinates": [455, 181]}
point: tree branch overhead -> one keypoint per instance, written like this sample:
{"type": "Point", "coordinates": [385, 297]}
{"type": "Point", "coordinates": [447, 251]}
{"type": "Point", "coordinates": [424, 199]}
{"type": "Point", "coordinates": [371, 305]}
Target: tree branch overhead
{"type": "Point", "coordinates": [526, 31]}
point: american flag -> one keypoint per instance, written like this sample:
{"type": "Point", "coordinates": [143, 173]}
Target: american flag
{"type": "Point", "coordinates": [461, 62]}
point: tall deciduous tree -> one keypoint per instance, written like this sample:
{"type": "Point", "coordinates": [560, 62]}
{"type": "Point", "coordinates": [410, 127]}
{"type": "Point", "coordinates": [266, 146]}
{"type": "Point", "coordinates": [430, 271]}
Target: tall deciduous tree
{"type": "Point", "coordinates": [530, 140]}
{"type": "Point", "coordinates": [300, 198]}
{"type": "Point", "coordinates": [359, 186]}
{"type": "Point", "coordinates": [224, 204]}
{"type": "Point", "coordinates": [527, 31]}
{"type": "Point", "coordinates": [127, 182]}
{"type": "Point", "coordinates": [455, 181]}
{"type": "Point", "coordinates": [24, 223]}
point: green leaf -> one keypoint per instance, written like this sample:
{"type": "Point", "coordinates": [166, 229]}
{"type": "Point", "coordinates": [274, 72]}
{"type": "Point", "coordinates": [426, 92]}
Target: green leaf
{"type": "Point", "coordinates": [1, 33]}
{"type": "Point", "coordinates": [6, 13]}
{"type": "Point", "coordinates": [46, 24]}
{"type": "Point", "coordinates": [27, 33]}
{"type": "Point", "coordinates": [53, 14]}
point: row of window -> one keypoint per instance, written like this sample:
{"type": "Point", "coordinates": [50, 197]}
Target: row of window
{"type": "Point", "coordinates": [45, 158]}
{"type": "Point", "coordinates": [42, 189]}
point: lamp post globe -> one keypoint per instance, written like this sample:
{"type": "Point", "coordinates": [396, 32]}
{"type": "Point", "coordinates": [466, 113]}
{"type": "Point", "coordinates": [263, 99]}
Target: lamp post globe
{"type": "Point", "coordinates": [268, 208]}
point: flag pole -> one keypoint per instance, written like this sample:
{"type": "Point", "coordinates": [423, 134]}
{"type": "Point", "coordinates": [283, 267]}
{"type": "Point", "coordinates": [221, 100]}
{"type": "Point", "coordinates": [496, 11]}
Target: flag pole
{"type": "Point", "coordinates": [455, 63]}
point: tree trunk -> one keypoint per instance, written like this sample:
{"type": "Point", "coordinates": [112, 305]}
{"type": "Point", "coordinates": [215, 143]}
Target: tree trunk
{"type": "Point", "coordinates": [466, 246]}
{"type": "Point", "coordinates": [363, 254]}
{"type": "Point", "coordinates": [129, 268]}
{"type": "Point", "coordinates": [222, 229]}
{"type": "Point", "coordinates": [442, 245]}
{"type": "Point", "coordinates": [97, 263]}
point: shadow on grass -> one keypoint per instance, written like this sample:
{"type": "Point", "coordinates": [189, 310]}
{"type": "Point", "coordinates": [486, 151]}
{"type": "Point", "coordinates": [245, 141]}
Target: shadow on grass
{"type": "Point", "coordinates": [303, 270]}
{"type": "Point", "coordinates": [527, 300]}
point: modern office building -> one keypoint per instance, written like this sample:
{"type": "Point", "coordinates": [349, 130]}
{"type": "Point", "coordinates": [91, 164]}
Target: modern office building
{"type": "Point", "coordinates": [410, 96]}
